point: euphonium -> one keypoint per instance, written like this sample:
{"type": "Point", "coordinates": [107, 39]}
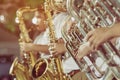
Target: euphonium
{"type": "Point", "coordinates": [23, 68]}
{"type": "Point", "coordinates": [108, 14]}
{"type": "Point", "coordinates": [103, 14]}
{"type": "Point", "coordinates": [90, 15]}
{"type": "Point", "coordinates": [74, 38]}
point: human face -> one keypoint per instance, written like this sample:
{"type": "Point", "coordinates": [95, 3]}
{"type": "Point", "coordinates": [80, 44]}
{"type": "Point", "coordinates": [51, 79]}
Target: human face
{"type": "Point", "coordinates": [41, 26]}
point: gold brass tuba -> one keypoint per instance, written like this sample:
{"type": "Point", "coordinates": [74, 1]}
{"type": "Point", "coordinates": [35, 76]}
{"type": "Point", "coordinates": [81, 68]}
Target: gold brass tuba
{"type": "Point", "coordinates": [89, 15]}
{"type": "Point", "coordinates": [22, 69]}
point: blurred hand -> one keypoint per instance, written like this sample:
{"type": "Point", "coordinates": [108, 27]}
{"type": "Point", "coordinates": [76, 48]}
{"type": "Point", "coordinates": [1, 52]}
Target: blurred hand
{"type": "Point", "coordinates": [58, 48]}
{"type": "Point", "coordinates": [26, 47]}
{"type": "Point", "coordinates": [97, 37]}
{"type": "Point", "coordinates": [83, 50]}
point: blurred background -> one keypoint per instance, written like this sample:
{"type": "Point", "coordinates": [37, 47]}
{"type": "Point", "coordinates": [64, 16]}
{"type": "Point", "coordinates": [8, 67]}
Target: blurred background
{"type": "Point", "coordinates": [9, 32]}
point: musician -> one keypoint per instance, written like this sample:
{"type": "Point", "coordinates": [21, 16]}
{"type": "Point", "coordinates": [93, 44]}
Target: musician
{"type": "Point", "coordinates": [41, 44]}
{"type": "Point", "coordinates": [41, 41]}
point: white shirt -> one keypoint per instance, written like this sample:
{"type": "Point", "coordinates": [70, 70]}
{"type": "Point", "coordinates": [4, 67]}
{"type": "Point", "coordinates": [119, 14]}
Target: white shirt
{"type": "Point", "coordinates": [68, 64]}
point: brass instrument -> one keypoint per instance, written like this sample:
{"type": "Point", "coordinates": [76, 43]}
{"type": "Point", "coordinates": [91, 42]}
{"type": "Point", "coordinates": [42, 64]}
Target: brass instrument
{"type": "Point", "coordinates": [24, 36]}
{"type": "Point", "coordinates": [19, 71]}
{"type": "Point", "coordinates": [22, 69]}
{"type": "Point", "coordinates": [59, 5]}
{"type": "Point", "coordinates": [88, 16]}
{"type": "Point", "coordinates": [108, 15]}
{"type": "Point", "coordinates": [42, 70]}
{"type": "Point", "coordinates": [55, 67]}
{"type": "Point", "coordinates": [73, 38]}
